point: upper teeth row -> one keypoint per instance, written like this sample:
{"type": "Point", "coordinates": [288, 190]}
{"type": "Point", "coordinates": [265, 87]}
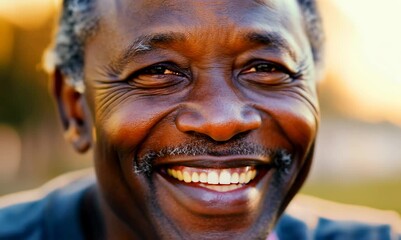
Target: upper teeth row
{"type": "Point", "coordinates": [213, 176]}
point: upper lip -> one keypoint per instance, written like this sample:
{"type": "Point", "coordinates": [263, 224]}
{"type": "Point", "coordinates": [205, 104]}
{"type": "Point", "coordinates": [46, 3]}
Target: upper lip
{"type": "Point", "coordinates": [213, 161]}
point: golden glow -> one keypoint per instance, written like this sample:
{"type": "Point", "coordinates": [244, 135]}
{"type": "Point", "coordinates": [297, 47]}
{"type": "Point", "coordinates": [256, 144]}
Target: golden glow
{"type": "Point", "coordinates": [364, 57]}
{"type": "Point", "coordinates": [10, 152]}
{"type": "Point", "coordinates": [28, 14]}
{"type": "Point", "coordinates": [7, 42]}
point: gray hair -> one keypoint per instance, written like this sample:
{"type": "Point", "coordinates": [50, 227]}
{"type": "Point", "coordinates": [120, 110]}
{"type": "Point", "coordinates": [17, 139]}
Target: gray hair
{"type": "Point", "coordinates": [78, 22]}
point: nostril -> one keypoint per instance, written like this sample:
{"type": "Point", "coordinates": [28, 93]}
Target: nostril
{"type": "Point", "coordinates": [240, 136]}
{"type": "Point", "coordinates": [189, 121]}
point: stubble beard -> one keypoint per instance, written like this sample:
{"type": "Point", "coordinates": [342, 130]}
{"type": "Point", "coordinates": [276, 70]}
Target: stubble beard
{"type": "Point", "coordinates": [265, 222]}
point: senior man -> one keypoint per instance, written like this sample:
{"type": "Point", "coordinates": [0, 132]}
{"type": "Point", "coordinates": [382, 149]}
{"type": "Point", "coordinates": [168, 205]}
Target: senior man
{"type": "Point", "coordinates": [202, 116]}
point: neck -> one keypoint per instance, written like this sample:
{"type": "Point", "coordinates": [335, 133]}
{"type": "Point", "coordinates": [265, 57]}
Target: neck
{"type": "Point", "coordinates": [113, 226]}
{"type": "Point", "coordinates": [91, 217]}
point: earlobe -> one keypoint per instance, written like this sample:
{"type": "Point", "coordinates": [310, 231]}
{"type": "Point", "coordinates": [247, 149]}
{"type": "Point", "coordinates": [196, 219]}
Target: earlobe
{"type": "Point", "coordinates": [76, 137]}
{"type": "Point", "coordinates": [75, 120]}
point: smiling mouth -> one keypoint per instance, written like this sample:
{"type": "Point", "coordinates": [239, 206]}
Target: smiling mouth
{"type": "Point", "coordinates": [220, 180]}
{"type": "Point", "coordinates": [213, 186]}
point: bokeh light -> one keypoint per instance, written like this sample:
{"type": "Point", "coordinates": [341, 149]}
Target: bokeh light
{"type": "Point", "coordinates": [28, 14]}
{"type": "Point", "coordinates": [364, 53]}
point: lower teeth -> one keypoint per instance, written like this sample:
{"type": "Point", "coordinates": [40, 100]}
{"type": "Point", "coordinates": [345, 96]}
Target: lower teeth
{"type": "Point", "coordinates": [222, 188]}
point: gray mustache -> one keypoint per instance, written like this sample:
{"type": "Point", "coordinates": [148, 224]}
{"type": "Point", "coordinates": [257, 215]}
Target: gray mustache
{"type": "Point", "coordinates": [281, 158]}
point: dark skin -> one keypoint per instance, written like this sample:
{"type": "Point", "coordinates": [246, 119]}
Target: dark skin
{"type": "Point", "coordinates": [217, 75]}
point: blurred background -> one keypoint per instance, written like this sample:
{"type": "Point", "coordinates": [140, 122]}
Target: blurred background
{"type": "Point", "coordinates": [358, 156]}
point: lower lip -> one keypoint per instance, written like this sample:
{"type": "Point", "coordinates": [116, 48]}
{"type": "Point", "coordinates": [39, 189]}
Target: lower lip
{"type": "Point", "coordinates": [200, 200]}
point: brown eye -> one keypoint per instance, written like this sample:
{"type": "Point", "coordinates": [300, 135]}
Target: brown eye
{"type": "Point", "coordinates": [159, 70]}
{"type": "Point", "coordinates": [264, 67]}
{"type": "Point", "coordinates": [161, 76]}
{"type": "Point", "coordinates": [266, 74]}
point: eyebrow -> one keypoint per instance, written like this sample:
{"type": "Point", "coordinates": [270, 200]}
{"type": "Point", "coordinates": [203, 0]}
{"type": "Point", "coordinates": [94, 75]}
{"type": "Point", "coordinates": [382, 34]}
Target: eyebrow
{"type": "Point", "coordinates": [146, 43]}
{"type": "Point", "coordinates": [273, 39]}
{"type": "Point", "coordinates": [143, 44]}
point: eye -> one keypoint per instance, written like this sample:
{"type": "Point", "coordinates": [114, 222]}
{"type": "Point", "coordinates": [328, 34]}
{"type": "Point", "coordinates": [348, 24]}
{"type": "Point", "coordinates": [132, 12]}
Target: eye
{"type": "Point", "coordinates": [157, 76]}
{"type": "Point", "coordinates": [159, 70]}
{"type": "Point", "coordinates": [263, 67]}
{"type": "Point", "coordinates": [266, 73]}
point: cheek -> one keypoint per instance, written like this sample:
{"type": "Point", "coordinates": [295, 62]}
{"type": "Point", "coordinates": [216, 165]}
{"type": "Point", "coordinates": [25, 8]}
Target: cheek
{"type": "Point", "coordinates": [300, 123]}
{"type": "Point", "coordinates": [120, 132]}
{"type": "Point", "coordinates": [297, 118]}
{"type": "Point", "coordinates": [128, 124]}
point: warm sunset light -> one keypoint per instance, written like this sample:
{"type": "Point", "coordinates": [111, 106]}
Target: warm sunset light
{"type": "Point", "coordinates": [28, 14]}
{"type": "Point", "coordinates": [364, 57]}
{"type": "Point", "coordinates": [357, 156]}
{"type": "Point", "coordinates": [364, 54]}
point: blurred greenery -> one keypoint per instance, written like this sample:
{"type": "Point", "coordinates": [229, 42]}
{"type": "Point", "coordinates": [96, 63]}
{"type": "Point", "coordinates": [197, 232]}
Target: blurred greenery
{"type": "Point", "coordinates": [23, 94]}
{"type": "Point", "coordinates": [384, 195]}
{"type": "Point", "coordinates": [28, 110]}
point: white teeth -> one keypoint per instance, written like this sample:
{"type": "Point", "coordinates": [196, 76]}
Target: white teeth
{"type": "Point", "coordinates": [223, 179]}
{"type": "Point", "coordinates": [222, 188]}
{"type": "Point", "coordinates": [213, 178]}
{"type": "Point", "coordinates": [234, 178]}
{"type": "Point", "coordinates": [195, 177]}
{"type": "Point", "coordinates": [187, 177]}
{"type": "Point", "coordinates": [242, 178]}
{"type": "Point", "coordinates": [248, 177]}
{"type": "Point", "coordinates": [203, 177]}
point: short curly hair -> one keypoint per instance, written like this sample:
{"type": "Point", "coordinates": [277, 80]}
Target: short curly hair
{"type": "Point", "coordinates": [79, 21]}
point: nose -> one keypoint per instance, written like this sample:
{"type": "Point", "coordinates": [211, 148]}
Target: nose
{"type": "Point", "coordinates": [219, 117]}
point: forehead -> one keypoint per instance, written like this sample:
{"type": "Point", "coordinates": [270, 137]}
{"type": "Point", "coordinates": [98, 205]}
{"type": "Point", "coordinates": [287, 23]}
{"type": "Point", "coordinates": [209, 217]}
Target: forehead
{"type": "Point", "coordinates": [206, 27]}
{"type": "Point", "coordinates": [142, 17]}
{"type": "Point", "coordinates": [165, 12]}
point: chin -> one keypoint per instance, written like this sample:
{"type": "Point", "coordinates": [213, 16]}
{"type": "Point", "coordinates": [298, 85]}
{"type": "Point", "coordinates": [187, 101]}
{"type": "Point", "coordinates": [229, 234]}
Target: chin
{"type": "Point", "coordinates": [192, 201]}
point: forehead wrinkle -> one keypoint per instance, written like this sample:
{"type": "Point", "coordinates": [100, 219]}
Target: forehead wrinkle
{"type": "Point", "coordinates": [273, 39]}
{"type": "Point", "coordinates": [149, 42]}
{"type": "Point", "coordinates": [142, 45]}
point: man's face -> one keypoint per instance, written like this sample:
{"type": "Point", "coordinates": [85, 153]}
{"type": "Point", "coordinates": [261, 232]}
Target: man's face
{"type": "Point", "coordinates": [205, 114]}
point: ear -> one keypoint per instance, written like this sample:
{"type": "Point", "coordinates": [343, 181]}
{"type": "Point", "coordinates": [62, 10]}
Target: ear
{"type": "Point", "coordinates": [73, 112]}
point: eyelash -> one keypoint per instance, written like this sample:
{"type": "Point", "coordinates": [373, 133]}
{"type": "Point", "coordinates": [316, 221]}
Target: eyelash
{"type": "Point", "coordinates": [276, 67]}
{"type": "Point", "coordinates": [158, 72]}
{"type": "Point", "coordinates": [166, 66]}
{"type": "Point", "coordinates": [162, 76]}
{"type": "Point", "coordinates": [267, 74]}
